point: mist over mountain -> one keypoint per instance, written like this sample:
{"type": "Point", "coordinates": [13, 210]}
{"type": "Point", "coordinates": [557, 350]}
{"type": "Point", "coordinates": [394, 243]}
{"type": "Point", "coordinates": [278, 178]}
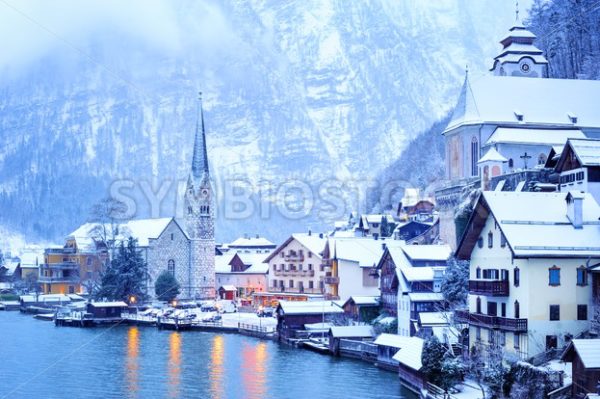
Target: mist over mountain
{"type": "Point", "coordinates": [99, 92]}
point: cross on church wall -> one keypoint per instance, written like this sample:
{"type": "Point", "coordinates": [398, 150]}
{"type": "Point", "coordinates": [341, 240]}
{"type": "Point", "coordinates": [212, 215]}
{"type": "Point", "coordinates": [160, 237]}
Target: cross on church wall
{"type": "Point", "coordinates": [525, 157]}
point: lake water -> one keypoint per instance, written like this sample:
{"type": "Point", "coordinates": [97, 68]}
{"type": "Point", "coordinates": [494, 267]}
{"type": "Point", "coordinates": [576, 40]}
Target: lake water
{"type": "Point", "coordinates": [39, 360]}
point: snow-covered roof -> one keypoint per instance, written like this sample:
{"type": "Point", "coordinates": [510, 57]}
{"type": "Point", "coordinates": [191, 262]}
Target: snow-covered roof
{"type": "Point", "coordinates": [435, 318]}
{"type": "Point", "coordinates": [425, 296]}
{"type": "Point", "coordinates": [250, 242]}
{"type": "Point", "coordinates": [410, 354]}
{"type": "Point", "coordinates": [428, 252]}
{"type": "Point", "coordinates": [587, 151]}
{"type": "Point", "coordinates": [255, 263]}
{"type": "Point", "coordinates": [11, 266]}
{"type": "Point", "coordinates": [45, 298]}
{"type": "Point", "coordinates": [228, 287]}
{"type": "Point", "coordinates": [309, 307]}
{"type": "Point", "coordinates": [528, 136]}
{"type": "Point", "coordinates": [113, 304]}
{"type": "Point", "coordinates": [534, 230]}
{"type": "Point", "coordinates": [377, 218]}
{"type": "Point", "coordinates": [141, 229]}
{"type": "Point", "coordinates": [543, 102]}
{"type": "Point", "coordinates": [313, 242]}
{"type": "Point", "coordinates": [366, 251]}
{"type": "Point", "coordinates": [352, 331]}
{"type": "Point", "coordinates": [588, 351]}
{"type": "Point", "coordinates": [364, 300]}
{"type": "Point", "coordinates": [492, 156]}
{"type": "Point", "coordinates": [392, 340]}
{"type": "Point", "coordinates": [31, 259]}
{"type": "Point", "coordinates": [405, 270]}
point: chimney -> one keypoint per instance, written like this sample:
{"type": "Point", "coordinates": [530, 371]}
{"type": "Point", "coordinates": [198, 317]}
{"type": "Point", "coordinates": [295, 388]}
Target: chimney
{"type": "Point", "coordinates": [320, 235]}
{"type": "Point", "coordinates": [257, 236]}
{"type": "Point", "coordinates": [383, 246]}
{"type": "Point", "coordinates": [575, 208]}
{"type": "Point", "coordinates": [309, 232]}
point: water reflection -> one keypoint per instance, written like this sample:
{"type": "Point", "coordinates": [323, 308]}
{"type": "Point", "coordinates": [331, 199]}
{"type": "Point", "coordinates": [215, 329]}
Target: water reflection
{"type": "Point", "coordinates": [217, 372]}
{"type": "Point", "coordinates": [132, 361]}
{"type": "Point", "coordinates": [174, 364]}
{"type": "Point", "coordinates": [254, 370]}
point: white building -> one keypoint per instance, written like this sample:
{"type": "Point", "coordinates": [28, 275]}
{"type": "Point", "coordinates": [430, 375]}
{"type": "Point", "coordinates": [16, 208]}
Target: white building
{"type": "Point", "coordinates": [352, 265]}
{"type": "Point", "coordinates": [247, 245]}
{"type": "Point", "coordinates": [246, 272]}
{"type": "Point", "coordinates": [579, 167]}
{"type": "Point", "coordinates": [529, 288]}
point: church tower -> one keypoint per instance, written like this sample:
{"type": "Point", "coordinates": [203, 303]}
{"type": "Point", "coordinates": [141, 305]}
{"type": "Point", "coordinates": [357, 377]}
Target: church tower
{"type": "Point", "coordinates": [199, 216]}
{"type": "Point", "coordinates": [519, 57]}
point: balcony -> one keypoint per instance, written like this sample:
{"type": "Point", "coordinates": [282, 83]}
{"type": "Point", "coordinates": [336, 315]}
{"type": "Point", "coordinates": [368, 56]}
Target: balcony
{"type": "Point", "coordinates": [496, 322]}
{"type": "Point", "coordinates": [294, 273]}
{"type": "Point", "coordinates": [58, 279]}
{"type": "Point", "coordinates": [53, 251]}
{"type": "Point", "coordinates": [293, 258]}
{"type": "Point", "coordinates": [61, 266]}
{"type": "Point", "coordinates": [331, 280]}
{"type": "Point", "coordinates": [489, 287]}
{"type": "Point", "coordinates": [297, 290]}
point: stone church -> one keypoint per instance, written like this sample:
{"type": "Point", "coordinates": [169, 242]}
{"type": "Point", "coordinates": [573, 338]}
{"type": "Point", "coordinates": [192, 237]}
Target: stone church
{"type": "Point", "coordinates": [514, 115]}
{"type": "Point", "coordinates": [184, 247]}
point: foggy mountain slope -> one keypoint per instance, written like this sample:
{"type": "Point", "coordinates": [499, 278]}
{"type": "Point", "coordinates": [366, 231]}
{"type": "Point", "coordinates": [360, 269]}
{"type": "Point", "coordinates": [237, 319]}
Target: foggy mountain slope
{"type": "Point", "coordinates": [309, 90]}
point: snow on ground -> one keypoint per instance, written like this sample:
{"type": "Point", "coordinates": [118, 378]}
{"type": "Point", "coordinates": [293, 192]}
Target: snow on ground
{"type": "Point", "coordinates": [557, 365]}
{"type": "Point", "coordinates": [468, 390]}
{"type": "Point", "coordinates": [232, 320]}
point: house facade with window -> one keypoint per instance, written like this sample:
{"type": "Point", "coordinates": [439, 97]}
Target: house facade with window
{"type": "Point", "coordinates": [411, 278]}
{"type": "Point", "coordinates": [296, 270]}
{"type": "Point", "coordinates": [579, 167]}
{"type": "Point", "coordinates": [246, 272]}
{"type": "Point", "coordinates": [529, 287]}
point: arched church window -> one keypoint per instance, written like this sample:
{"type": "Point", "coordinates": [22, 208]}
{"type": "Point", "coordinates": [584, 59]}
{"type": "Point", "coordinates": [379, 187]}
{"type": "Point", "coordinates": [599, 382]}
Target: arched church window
{"type": "Point", "coordinates": [474, 156]}
{"type": "Point", "coordinates": [171, 266]}
{"type": "Point", "coordinates": [511, 163]}
{"type": "Point", "coordinates": [190, 210]}
{"type": "Point", "coordinates": [542, 159]}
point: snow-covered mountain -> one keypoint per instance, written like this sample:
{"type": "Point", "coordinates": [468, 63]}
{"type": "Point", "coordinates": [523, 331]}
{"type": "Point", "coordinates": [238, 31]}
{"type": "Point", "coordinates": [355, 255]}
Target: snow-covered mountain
{"type": "Point", "coordinates": [311, 89]}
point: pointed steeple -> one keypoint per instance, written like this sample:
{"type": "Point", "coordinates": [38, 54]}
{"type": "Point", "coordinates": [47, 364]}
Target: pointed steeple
{"type": "Point", "coordinates": [200, 158]}
{"type": "Point", "coordinates": [466, 110]}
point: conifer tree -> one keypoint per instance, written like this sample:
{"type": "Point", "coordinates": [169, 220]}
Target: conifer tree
{"type": "Point", "coordinates": [166, 287]}
{"type": "Point", "coordinates": [126, 275]}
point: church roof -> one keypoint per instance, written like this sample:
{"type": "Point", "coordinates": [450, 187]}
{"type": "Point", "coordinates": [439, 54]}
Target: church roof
{"type": "Point", "coordinates": [492, 156]}
{"type": "Point", "coordinates": [200, 157]}
{"type": "Point", "coordinates": [542, 103]}
{"type": "Point", "coordinates": [552, 137]}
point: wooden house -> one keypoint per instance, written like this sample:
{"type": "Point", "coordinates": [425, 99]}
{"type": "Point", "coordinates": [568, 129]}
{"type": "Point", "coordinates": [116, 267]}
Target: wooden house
{"type": "Point", "coordinates": [106, 310]}
{"type": "Point", "coordinates": [348, 333]}
{"type": "Point", "coordinates": [292, 316]}
{"type": "Point", "coordinates": [579, 167]}
{"type": "Point", "coordinates": [584, 354]}
{"type": "Point", "coordinates": [361, 307]}
{"type": "Point", "coordinates": [387, 347]}
{"type": "Point", "coordinates": [409, 365]}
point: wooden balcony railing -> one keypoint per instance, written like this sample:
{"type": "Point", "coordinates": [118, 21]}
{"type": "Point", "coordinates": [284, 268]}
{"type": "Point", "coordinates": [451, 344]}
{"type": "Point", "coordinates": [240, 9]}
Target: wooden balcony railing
{"type": "Point", "coordinates": [496, 322]}
{"type": "Point", "coordinates": [331, 280]}
{"type": "Point", "coordinates": [294, 273]}
{"type": "Point", "coordinates": [489, 287]}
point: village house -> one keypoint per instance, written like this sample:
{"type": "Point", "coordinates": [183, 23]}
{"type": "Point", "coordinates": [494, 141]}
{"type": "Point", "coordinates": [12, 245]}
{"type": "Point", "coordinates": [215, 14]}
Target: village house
{"type": "Point", "coordinates": [584, 354]}
{"type": "Point", "coordinates": [371, 225]}
{"type": "Point", "coordinates": [348, 333]}
{"type": "Point", "coordinates": [578, 167]}
{"type": "Point", "coordinates": [256, 244]}
{"type": "Point", "coordinates": [529, 289]}
{"type": "Point", "coordinates": [387, 347]}
{"type": "Point", "coordinates": [294, 316]}
{"type": "Point", "coordinates": [362, 308]}
{"type": "Point", "coordinates": [241, 275]}
{"type": "Point", "coordinates": [407, 231]}
{"type": "Point", "coordinates": [518, 112]}
{"type": "Point", "coordinates": [350, 266]}
{"type": "Point", "coordinates": [296, 270]}
{"type": "Point", "coordinates": [411, 278]}
{"type": "Point", "coordinates": [409, 362]}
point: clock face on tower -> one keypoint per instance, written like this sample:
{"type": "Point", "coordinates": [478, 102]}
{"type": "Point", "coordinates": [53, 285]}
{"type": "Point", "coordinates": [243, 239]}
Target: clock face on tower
{"type": "Point", "coordinates": [205, 193]}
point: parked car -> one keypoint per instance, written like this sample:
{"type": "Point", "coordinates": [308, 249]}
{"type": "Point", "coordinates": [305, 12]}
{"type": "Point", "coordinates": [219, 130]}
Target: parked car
{"type": "Point", "coordinates": [265, 312]}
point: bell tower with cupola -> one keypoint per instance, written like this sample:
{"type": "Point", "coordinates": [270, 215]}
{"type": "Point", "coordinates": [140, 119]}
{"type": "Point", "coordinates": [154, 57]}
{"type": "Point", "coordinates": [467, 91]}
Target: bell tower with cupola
{"type": "Point", "coordinates": [199, 216]}
{"type": "Point", "coordinates": [519, 56]}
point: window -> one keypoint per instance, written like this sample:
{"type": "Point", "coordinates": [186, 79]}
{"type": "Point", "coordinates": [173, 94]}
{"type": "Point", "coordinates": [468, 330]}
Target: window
{"type": "Point", "coordinates": [89, 261]}
{"type": "Point", "coordinates": [581, 276]}
{"type": "Point", "coordinates": [554, 312]}
{"type": "Point", "coordinates": [517, 276]}
{"type": "Point", "coordinates": [474, 156]}
{"type": "Point", "coordinates": [478, 333]}
{"type": "Point", "coordinates": [516, 342]}
{"type": "Point", "coordinates": [291, 284]}
{"type": "Point", "coordinates": [517, 310]}
{"type": "Point", "coordinates": [274, 283]}
{"type": "Point", "coordinates": [503, 310]}
{"type": "Point", "coordinates": [511, 163]}
{"type": "Point", "coordinates": [490, 239]}
{"type": "Point", "coordinates": [480, 242]}
{"type": "Point", "coordinates": [478, 304]}
{"type": "Point", "coordinates": [491, 336]}
{"type": "Point", "coordinates": [551, 342]}
{"type": "Point", "coordinates": [310, 285]}
{"type": "Point", "coordinates": [282, 254]}
{"type": "Point", "coordinates": [502, 338]}
{"type": "Point", "coordinates": [504, 275]}
{"type": "Point", "coordinates": [478, 272]}
{"type": "Point", "coordinates": [171, 266]}
{"type": "Point", "coordinates": [554, 276]}
{"type": "Point", "coordinates": [492, 308]}
{"type": "Point", "coordinates": [502, 240]}
{"type": "Point", "coordinates": [582, 312]}
{"type": "Point", "coordinates": [310, 266]}
{"type": "Point", "coordinates": [309, 254]}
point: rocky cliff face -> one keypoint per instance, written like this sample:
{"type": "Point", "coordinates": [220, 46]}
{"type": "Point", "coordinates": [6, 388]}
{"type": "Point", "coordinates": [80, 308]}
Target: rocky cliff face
{"type": "Point", "coordinates": [308, 89]}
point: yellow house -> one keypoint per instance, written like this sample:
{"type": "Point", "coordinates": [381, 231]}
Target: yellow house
{"type": "Point", "coordinates": [529, 253]}
{"type": "Point", "coordinates": [72, 269]}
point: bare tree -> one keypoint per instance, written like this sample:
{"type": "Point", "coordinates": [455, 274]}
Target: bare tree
{"type": "Point", "coordinates": [107, 213]}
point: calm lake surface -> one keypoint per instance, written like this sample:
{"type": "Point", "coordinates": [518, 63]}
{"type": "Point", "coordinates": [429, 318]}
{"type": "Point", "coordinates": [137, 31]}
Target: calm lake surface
{"type": "Point", "coordinates": [39, 360]}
